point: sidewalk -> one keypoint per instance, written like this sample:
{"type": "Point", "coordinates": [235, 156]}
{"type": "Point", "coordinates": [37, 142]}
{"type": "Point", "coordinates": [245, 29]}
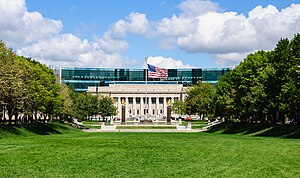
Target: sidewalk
{"type": "Point", "coordinates": [143, 130]}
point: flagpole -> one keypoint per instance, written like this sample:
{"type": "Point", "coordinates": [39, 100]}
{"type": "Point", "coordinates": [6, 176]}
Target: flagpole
{"type": "Point", "coordinates": [146, 76]}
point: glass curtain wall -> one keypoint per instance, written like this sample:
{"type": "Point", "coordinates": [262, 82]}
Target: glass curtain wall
{"type": "Point", "coordinates": [81, 78]}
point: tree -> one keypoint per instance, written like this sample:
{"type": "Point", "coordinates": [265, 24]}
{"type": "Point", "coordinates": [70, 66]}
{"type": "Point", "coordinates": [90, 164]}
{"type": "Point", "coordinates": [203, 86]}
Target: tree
{"type": "Point", "coordinates": [292, 86]}
{"type": "Point", "coordinates": [199, 99]}
{"type": "Point", "coordinates": [264, 87]}
{"type": "Point", "coordinates": [224, 100]}
{"type": "Point", "coordinates": [12, 91]}
{"type": "Point", "coordinates": [66, 95]}
{"type": "Point", "coordinates": [80, 106]}
{"type": "Point", "coordinates": [85, 105]}
{"type": "Point", "coordinates": [178, 107]}
{"type": "Point", "coordinates": [93, 106]}
{"type": "Point", "coordinates": [106, 107]}
{"type": "Point", "coordinates": [27, 87]}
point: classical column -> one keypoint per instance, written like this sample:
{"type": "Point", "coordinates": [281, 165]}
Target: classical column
{"type": "Point", "coordinates": [126, 107]}
{"type": "Point", "coordinates": [172, 100]}
{"type": "Point", "coordinates": [146, 106]}
{"type": "Point", "coordinates": [165, 106]}
{"type": "Point", "coordinates": [119, 107]}
{"type": "Point", "coordinates": [142, 106]}
{"type": "Point", "coordinates": [150, 107]}
{"type": "Point", "coordinates": [183, 96]}
{"type": "Point", "coordinates": [133, 106]}
{"type": "Point", "coordinates": [157, 106]}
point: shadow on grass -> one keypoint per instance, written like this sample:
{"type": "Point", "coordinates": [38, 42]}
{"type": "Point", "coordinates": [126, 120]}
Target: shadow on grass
{"type": "Point", "coordinates": [267, 130]}
{"type": "Point", "coordinates": [41, 128]}
{"type": "Point", "coordinates": [10, 129]}
{"type": "Point", "coordinates": [29, 129]}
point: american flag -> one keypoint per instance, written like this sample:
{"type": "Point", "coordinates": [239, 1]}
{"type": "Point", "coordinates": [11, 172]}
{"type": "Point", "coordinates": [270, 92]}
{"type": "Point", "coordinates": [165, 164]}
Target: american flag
{"type": "Point", "coordinates": [156, 72]}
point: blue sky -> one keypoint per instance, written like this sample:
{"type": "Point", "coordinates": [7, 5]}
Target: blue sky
{"type": "Point", "coordinates": [121, 33]}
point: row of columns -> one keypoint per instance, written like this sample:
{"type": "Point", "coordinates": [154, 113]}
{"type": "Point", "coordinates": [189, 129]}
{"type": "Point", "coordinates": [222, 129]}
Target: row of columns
{"type": "Point", "coordinates": [143, 105]}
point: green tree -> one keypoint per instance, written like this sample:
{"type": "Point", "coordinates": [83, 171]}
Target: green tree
{"type": "Point", "coordinates": [84, 106]}
{"type": "Point", "coordinates": [93, 105]}
{"type": "Point", "coordinates": [27, 87]}
{"type": "Point", "coordinates": [106, 107]}
{"type": "Point", "coordinates": [199, 99]}
{"type": "Point", "coordinates": [291, 88]}
{"type": "Point", "coordinates": [66, 95]}
{"type": "Point", "coordinates": [178, 107]}
{"type": "Point", "coordinates": [12, 93]}
{"type": "Point", "coordinates": [224, 101]}
{"type": "Point", "coordinates": [265, 86]}
{"type": "Point", "coordinates": [80, 106]}
{"type": "Point", "coordinates": [280, 59]}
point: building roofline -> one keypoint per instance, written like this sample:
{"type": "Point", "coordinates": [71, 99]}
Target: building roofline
{"type": "Point", "coordinates": [95, 68]}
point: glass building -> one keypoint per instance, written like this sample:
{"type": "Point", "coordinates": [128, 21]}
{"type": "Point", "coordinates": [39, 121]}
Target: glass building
{"type": "Point", "coordinates": [81, 78]}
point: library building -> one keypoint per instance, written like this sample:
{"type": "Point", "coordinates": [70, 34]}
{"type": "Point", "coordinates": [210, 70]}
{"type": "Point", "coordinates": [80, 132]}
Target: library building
{"type": "Point", "coordinates": [142, 91]}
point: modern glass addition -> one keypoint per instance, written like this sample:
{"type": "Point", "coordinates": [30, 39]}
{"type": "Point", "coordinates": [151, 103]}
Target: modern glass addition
{"type": "Point", "coordinates": [81, 78]}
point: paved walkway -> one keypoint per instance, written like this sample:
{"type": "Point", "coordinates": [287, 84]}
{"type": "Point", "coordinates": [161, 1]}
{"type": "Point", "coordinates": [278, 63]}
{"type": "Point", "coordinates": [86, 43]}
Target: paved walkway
{"type": "Point", "coordinates": [143, 130]}
{"type": "Point", "coordinates": [179, 129]}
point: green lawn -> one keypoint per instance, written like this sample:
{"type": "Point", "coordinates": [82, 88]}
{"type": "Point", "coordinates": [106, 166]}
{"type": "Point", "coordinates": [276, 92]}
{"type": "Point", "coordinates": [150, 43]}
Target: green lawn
{"type": "Point", "coordinates": [72, 153]}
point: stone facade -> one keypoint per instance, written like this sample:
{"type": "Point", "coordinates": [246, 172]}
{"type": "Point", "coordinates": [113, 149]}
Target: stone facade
{"type": "Point", "coordinates": [134, 97]}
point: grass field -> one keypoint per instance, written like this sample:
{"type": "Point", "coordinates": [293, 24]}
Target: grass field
{"type": "Point", "coordinates": [60, 151]}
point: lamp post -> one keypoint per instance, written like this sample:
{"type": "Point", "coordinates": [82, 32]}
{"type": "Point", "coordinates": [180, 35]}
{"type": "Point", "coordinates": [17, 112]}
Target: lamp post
{"type": "Point", "coordinates": [169, 111]}
{"type": "Point", "coordinates": [123, 111]}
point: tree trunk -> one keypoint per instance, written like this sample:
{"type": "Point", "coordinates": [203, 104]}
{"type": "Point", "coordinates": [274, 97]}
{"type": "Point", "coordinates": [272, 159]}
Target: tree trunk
{"type": "Point", "coordinates": [3, 115]}
{"type": "Point", "coordinates": [31, 119]}
{"type": "Point", "coordinates": [36, 118]}
{"type": "Point", "coordinates": [25, 119]}
{"type": "Point", "coordinates": [45, 117]}
{"type": "Point", "coordinates": [10, 115]}
{"type": "Point", "coordinates": [277, 117]}
{"type": "Point", "coordinates": [273, 118]}
{"type": "Point", "coordinates": [16, 118]}
{"type": "Point", "coordinates": [226, 119]}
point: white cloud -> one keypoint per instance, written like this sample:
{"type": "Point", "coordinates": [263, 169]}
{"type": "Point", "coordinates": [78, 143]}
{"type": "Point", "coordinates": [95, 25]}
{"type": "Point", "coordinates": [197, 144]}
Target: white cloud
{"type": "Point", "coordinates": [184, 23]}
{"type": "Point", "coordinates": [35, 36]}
{"type": "Point", "coordinates": [135, 23]}
{"type": "Point", "coordinates": [271, 24]}
{"type": "Point", "coordinates": [19, 27]}
{"type": "Point", "coordinates": [110, 44]}
{"type": "Point", "coordinates": [219, 33]}
{"type": "Point", "coordinates": [68, 50]}
{"type": "Point", "coordinates": [166, 62]}
{"type": "Point", "coordinates": [194, 8]}
{"type": "Point", "coordinates": [229, 59]}
{"type": "Point", "coordinates": [113, 41]}
{"type": "Point", "coordinates": [202, 29]}
{"type": "Point", "coordinates": [175, 26]}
